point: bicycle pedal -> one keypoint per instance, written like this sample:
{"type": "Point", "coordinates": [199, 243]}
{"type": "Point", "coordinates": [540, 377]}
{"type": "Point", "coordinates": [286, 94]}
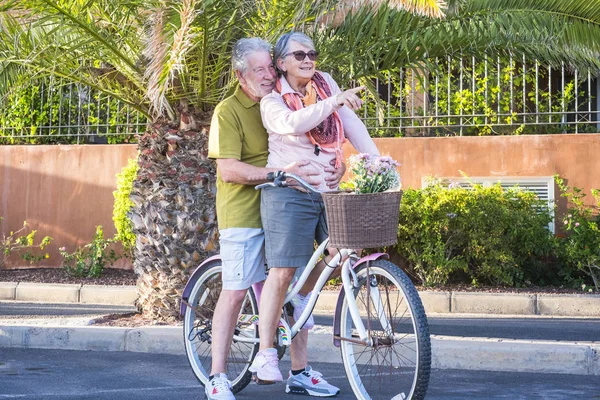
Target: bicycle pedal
{"type": "Point", "coordinates": [259, 381]}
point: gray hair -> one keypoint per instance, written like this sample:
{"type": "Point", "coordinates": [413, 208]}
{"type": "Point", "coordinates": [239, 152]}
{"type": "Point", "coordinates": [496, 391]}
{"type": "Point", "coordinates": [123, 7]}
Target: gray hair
{"type": "Point", "coordinates": [243, 48]}
{"type": "Point", "coordinates": [283, 44]}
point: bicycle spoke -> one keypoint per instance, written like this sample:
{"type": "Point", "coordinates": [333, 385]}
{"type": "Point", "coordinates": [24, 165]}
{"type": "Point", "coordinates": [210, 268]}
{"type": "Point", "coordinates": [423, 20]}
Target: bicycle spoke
{"type": "Point", "coordinates": [395, 353]}
{"type": "Point", "coordinates": [198, 327]}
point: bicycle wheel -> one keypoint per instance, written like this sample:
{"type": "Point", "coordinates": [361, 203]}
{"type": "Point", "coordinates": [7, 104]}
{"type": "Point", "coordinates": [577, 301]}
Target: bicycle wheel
{"type": "Point", "coordinates": [398, 363]}
{"type": "Point", "coordinates": [197, 330]}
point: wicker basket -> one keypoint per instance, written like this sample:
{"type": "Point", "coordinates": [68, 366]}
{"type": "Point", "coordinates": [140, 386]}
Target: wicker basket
{"type": "Point", "coordinates": [360, 221]}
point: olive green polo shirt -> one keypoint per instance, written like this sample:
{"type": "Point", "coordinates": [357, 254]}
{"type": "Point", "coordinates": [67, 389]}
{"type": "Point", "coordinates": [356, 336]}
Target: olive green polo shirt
{"type": "Point", "coordinates": [236, 131]}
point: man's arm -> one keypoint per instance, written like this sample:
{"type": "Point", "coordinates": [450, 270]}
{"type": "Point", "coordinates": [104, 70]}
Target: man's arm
{"type": "Point", "coordinates": [236, 171]}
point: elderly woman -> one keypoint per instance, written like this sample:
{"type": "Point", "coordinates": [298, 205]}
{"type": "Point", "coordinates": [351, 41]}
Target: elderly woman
{"type": "Point", "coordinates": [307, 117]}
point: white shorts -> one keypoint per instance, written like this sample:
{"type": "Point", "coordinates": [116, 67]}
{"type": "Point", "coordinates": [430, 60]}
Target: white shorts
{"type": "Point", "coordinates": [243, 254]}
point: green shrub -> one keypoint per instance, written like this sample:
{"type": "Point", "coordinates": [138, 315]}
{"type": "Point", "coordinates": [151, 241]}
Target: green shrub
{"type": "Point", "coordinates": [487, 235]}
{"type": "Point", "coordinates": [580, 249]}
{"type": "Point", "coordinates": [89, 261]}
{"type": "Point", "coordinates": [123, 204]}
{"type": "Point", "coordinates": [19, 240]}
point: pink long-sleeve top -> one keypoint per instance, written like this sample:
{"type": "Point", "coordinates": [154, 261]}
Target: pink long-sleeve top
{"type": "Point", "coordinates": [287, 129]}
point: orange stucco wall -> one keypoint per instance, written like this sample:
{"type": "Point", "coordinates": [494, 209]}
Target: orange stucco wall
{"type": "Point", "coordinates": [65, 191]}
{"type": "Point", "coordinates": [576, 158]}
{"type": "Point", "coordinates": [62, 191]}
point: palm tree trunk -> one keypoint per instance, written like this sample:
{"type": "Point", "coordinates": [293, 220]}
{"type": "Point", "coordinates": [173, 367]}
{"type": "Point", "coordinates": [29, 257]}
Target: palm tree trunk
{"type": "Point", "coordinates": [174, 215]}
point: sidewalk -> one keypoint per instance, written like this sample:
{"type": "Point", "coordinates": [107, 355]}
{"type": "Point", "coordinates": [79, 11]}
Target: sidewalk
{"type": "Point", "coordinates": [492, 354]}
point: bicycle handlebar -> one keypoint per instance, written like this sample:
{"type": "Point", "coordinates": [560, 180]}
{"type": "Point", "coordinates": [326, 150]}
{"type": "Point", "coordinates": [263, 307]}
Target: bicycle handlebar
{"type": "Point", "coordinates": [278, 179]}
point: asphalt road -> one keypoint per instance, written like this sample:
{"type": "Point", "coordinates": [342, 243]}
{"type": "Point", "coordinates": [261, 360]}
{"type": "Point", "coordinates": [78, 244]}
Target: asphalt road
{"type": "Point", "coordinates": [64, 374]}
{"type": "Point", "coordinates": [12, 309]}
{"type": "Point", "coordinates": [569, 329]}
{"type": "Point", "coordinates": [527, 328]}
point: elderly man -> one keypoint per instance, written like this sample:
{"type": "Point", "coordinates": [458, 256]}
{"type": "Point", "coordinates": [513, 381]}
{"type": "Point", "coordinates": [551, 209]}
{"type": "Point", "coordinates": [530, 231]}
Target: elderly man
{"type": "Point", "coordinates": [239, 143]}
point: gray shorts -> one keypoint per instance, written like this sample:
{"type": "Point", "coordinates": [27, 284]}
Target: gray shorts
{"type": "Point", "coordinates": [292, 222]}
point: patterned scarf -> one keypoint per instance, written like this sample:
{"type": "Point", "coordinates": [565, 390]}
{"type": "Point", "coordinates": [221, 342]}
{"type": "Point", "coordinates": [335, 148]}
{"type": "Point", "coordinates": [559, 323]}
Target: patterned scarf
{"type": "Point", "coordinates": [328, 136]}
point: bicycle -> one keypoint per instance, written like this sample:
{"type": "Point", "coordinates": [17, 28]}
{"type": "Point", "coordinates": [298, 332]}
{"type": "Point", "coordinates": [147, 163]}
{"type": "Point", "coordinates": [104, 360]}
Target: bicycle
{"type": "Point", "coordinates": [379, 325]}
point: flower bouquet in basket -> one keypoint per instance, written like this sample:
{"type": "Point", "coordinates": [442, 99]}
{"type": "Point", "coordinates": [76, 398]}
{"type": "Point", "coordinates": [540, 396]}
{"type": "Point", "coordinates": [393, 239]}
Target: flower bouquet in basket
{"type": "Point", "coordinates": [365, 214]}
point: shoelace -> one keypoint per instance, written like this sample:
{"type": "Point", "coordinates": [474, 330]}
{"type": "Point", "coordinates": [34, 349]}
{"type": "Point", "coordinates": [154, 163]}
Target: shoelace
{"type": "Point", "coordinates": [271, 359]}
{"type": "Point", "coordinates": [315, 374]}
{"type": "Point", "coordinates": [222, 385]}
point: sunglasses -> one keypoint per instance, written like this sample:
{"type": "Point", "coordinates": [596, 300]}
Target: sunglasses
{"type": "Point", "coordinates": [300, 55]}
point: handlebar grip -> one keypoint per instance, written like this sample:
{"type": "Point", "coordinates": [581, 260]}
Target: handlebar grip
{"type": "Point", "coordinates": [274, 176]}
{"type": "Point", "coordinates": [278, 179]}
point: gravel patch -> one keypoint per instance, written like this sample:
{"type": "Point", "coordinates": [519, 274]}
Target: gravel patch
{"type": "Point", "coordinates": [111, 276]}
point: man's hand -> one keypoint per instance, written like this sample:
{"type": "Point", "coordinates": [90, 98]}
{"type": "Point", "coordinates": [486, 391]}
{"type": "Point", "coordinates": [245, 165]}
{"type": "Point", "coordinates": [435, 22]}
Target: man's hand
{"type": "Point", "coordinates": [333, 176]}
{"type": "Point", "coordinates": [350, 99]}
{"type": "Point", "coordinates": [305, 171]}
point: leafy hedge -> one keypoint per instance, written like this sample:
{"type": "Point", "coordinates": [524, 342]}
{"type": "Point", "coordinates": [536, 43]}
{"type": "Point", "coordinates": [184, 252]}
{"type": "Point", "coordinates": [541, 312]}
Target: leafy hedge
{"type": "Point", "coordinates": [493, 236]}
{"type": "Point", "coordinates": [123, 204]}
{"type": "Point", "coordinates": [482, 235]}
{"type": "Point", "coordinates": [579, 250]}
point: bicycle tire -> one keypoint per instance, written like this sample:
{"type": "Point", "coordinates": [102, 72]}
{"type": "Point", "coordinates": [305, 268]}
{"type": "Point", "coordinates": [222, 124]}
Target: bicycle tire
{"type": "Point", "coordinates": [197, 334]}
{"type": "Point", "coordinates": [398, 363]}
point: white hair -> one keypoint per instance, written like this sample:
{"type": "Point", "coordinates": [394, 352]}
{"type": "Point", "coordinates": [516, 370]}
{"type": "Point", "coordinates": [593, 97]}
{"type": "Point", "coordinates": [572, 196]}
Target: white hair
{"type": "Point", "coordinates": [283, 44]}
{"type": "Point", "coordinates": [243, 48]}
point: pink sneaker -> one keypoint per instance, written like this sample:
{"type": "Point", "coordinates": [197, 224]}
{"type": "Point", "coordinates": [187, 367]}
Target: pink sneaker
{"type": "Point", "coordinates": [265, 367]}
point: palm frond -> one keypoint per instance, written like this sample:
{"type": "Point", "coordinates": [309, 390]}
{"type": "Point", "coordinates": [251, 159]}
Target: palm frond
{"type": "Point", "coordinates": [156, 52]}
{"type": "Point", "coordinates": [167, 50]}
{"type": "Point", "coordinates": [273, 18]}
{"type": "Point", "coordinates": [426, 8]}
{"type": "Point", "coordinates": [81, 17]}
{"type": "Point", "coordinates": [100, 42]}
{"type": "Point", "coordinates": [208, 76]}
{"type": "Point", "coordinates": [564, 32]}
{"type": "Point", "coordinates": [53, 38]}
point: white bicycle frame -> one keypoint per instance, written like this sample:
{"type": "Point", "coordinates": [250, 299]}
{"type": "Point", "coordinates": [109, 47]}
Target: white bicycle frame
{"type": "Point", "coordinates": [349, 280]}
{"type": "Point", "coordinates": [349, 258]}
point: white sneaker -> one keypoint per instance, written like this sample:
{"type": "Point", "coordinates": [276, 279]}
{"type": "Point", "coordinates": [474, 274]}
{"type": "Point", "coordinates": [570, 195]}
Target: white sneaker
{"type": "Point", "coordinates": [265, 367]}
{"type": "Point", "coordinates": [300, 302]}
{"type": "Point", "coordinates": [310, 383]}
{"type": "Point", "coordinates": [219, 388]}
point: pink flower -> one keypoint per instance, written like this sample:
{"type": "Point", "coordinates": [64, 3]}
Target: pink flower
{"type": "Point", "coordinates": [373, 174]}
{"type": "Point", "coordinates": [576, 224]}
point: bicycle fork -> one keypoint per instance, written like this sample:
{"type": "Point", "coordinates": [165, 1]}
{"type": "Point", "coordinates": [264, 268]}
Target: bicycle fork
{"type": "Point", "coordinates": [350, 282]}
{"type": "Point", "coordinates": [375, 297]}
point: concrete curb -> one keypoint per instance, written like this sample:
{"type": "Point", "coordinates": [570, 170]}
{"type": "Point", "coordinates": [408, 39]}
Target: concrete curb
{"type": "Point", "coordinates": [8, 290]}
{"type": "Point", "coordinates": [565, 305]}
{"type": "Point", "coordinates": [447, 352]}
{"type": "Point", "coordinates": [50, 293]}
{"type": "Point", "coordinates": [62, 293]}
{"type": "Point", "coordinates": [114, 295]}
{"type": "Point", "coordinates": [514, 304]}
